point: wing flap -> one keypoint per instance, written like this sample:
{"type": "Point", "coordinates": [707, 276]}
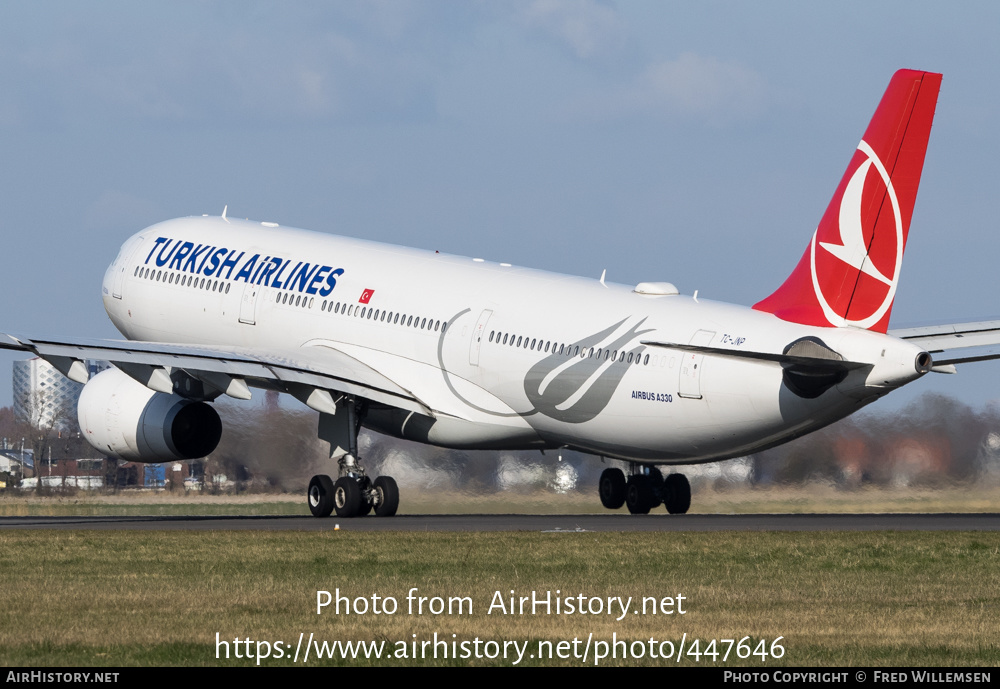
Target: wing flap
{"type": "Point", "coordinates": [445, 393]}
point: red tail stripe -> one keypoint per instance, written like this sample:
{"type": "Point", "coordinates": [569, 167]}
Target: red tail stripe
{"type": "Point", "coordinates": [849, 272]}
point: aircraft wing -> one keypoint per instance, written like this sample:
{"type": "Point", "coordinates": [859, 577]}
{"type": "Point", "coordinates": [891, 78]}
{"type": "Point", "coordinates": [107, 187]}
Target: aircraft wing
{"type": "Point", "coordinates": [230, 370]}
{"type": "Point", "coordinates": [948, 344]}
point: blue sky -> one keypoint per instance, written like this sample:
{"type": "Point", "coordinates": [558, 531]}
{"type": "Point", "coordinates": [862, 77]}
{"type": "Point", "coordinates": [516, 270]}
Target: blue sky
{"type": "Point", "coordinates": [697, 143]}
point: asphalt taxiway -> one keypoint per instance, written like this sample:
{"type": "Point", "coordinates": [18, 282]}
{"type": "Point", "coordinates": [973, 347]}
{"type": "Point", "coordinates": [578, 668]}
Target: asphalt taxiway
{"type": "Point", "coordinates": [526, 522]}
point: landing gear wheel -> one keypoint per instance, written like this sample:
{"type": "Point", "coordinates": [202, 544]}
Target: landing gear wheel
{"type": "Point", "coordinates": [388, 496]}
{"type": "Point", "coordinates": [612, 488]}
{"type": "Point", "coordinates": [678, 494]}
{"type": "Point", "coordinates": [347, 497]}
{"type": "Point", "coordinates": [639, 494]}
{"type": "Point", "coordinates": [320, 495]}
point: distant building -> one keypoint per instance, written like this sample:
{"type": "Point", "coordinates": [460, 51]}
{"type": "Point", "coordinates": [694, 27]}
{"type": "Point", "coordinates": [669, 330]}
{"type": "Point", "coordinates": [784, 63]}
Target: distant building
{"type": "Point", "coordinates": [84, 474]}
{"type": "Point", "coordinates": [16, 461]}
{"type": "Point", "coordinates": [44, 397]}
{"type": "Point", "coordinates": [96, 474]}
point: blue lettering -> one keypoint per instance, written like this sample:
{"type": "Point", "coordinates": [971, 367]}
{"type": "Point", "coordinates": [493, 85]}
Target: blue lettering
{"type": "Point", "coordinates": [193, 258]}
{"type": "Point", "coordinates": [265, 275]}
{"type": "Point", "coordinates": [305, 275]}
{"type": "Point", "coordinates": [160, 260]}
{"type": "Point", "coordinates": [311, 289]}
{"type": "Point", "coordinates": [302, 279]}
{"type": "Point", "coordinates": [182, 251]}
{"type": "Point", "coordinates": [291, 277]}
{"type": "Point", "coordinates": [331, 282]}
{"type": "Point", "coordinates": [652, 396]}
{"type": "Point", "coordinates": [230, 263]}
{"type": "Point", "coordinates": [247, 268]}
{"type": "Point", "coordinates": [202, 264]}
{"type": "Point", "coordinates": [213, 264]}
{"type": "Point", "coordinates": [277, 282]}
{"type": "Point", "coordinates": [159, 240]}
{"type": "Point", "coordinates": [259, 268]}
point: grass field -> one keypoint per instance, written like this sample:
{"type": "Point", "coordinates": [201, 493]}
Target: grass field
{"type": "Point", "coordinates": [156, 598]}
{"type": "Point", "coordinates": [778, 499]}
{"type": "Point", "coordinates": [152, 598]}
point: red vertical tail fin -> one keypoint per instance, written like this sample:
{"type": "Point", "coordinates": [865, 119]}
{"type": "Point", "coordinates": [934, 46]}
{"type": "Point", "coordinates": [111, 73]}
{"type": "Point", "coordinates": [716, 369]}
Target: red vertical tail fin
{"type": "Point", "coordinates": [850, 270]}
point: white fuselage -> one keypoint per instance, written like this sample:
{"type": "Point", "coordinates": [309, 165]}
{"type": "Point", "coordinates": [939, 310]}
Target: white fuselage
{"type": "Point", "coordinates": [509, 357]}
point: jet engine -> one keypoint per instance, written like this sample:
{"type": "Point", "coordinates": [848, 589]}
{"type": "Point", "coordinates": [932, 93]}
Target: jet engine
{"type": "Point", "coordinates": [127, 420]}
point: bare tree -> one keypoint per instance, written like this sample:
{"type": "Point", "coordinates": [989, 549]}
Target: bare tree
{"type": "Point", "coordinates": [52, 427]}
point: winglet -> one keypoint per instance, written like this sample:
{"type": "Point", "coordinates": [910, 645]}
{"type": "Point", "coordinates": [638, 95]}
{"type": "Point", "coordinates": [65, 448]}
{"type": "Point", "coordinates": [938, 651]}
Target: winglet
{"type": "Point", "coordinates": [850, 270]}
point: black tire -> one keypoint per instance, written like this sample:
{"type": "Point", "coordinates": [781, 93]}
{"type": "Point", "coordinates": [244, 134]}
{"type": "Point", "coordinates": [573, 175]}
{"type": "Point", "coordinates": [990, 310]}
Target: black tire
{"type": "Point", "coordinates": [347, 497]}
{"type": "Point", "coordinates": [678, 494]}
{"type": "Point", "coordinates": [612, 488]}
{"type": "Point", "coordinates": [639, 494]}
{"type": "Point", "coordinates": [388, 496]}
{"type": "Point", "coordinates": [320, 495]}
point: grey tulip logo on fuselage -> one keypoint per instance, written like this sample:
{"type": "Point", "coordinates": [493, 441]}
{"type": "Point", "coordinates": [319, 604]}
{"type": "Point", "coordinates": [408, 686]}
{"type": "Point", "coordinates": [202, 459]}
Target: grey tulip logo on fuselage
{"type": "Point", "coordinates": [564, 394]}
{"type": "Point", "coordinates": [588, 379]}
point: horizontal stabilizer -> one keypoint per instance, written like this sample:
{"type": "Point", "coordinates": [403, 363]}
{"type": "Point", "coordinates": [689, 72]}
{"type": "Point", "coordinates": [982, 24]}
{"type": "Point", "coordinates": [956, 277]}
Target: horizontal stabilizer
{"type": "Point", "coordinates": [950, 344]}
{"type": "Point", "coordinates": [788, 359]}
{"type": "Point", "coordinates": [948, 357]}
{"type": "Point", "coordinates": [937, 338]}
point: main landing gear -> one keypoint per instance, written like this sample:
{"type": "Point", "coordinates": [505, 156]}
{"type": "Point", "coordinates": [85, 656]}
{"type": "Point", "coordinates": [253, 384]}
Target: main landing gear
{"type": "Point", "coordinates": [353, 494]}
{"type": "Point", "coordinates": [644, 490]}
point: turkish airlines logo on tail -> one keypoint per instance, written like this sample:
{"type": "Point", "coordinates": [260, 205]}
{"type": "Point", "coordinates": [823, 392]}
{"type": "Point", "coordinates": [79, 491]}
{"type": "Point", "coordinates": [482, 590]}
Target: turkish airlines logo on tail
{"type": "Point", "coordinates": [855, 248]}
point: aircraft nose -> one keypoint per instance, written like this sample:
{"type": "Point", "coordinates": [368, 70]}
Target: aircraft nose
{"type": "Point", "coordinates": [107, 283]}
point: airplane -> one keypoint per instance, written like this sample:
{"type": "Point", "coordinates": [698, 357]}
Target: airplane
{"type": "Point", "coordinates": [460, 352]}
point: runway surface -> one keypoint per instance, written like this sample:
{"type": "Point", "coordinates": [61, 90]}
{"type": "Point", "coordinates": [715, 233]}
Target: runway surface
{"type": "Point", "coordinates": [525, 522]}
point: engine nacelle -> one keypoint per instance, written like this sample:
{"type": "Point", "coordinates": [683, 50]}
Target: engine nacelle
{"type": "Point", "coordinates": [127, 420]}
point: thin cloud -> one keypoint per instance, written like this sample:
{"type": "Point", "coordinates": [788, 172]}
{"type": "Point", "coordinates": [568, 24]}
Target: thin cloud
{"type": "Point", "coordinates": [253, 72]}
{"type": "Point", "coordinates": [587, 27]}
{"type": "Point", "coordinates": [692, 87]}
{"type": "Point", "coordinates": [702, 86]}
